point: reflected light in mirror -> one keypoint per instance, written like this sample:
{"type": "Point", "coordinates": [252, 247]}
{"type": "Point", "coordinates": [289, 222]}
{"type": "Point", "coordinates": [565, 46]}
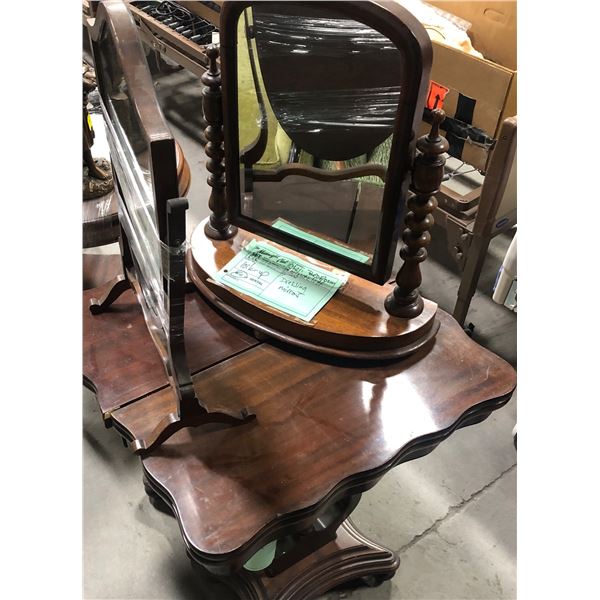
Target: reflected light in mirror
{"type": "Point", "coordinates": [303, 118]}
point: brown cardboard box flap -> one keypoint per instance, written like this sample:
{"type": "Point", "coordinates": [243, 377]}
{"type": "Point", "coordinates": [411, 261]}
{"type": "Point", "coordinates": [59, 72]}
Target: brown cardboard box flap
{"type": "Point", "coordinates": [493, 29]}
{"type": "Point", "coordinates": [489, 82]}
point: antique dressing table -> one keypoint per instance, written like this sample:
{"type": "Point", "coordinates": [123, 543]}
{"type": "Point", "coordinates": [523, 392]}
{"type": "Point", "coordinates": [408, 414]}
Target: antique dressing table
{"type": "Point", "coordinates": [327, 433]}
{"type": "Point", "coordinates": [260, 430]}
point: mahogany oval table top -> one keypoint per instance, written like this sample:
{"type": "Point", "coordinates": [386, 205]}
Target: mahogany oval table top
{"type": "Point", "coordinates": [353, 323]}
{"type": "Point", "coordinates": [325, 429]}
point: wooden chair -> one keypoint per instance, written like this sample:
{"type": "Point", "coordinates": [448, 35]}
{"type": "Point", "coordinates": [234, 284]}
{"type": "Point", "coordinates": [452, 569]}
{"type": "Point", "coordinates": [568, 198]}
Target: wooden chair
{"type": "Point", "coordinates": [471, 238]}
{"type": "Point", "coordinates": [151, 213]}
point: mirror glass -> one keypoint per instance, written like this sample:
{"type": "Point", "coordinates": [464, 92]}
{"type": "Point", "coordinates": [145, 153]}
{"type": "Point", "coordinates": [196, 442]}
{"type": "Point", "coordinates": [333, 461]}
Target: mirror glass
{"type": "Point", "coordinates": [122, 117]}
{"type": "Point", "coordinates": [131, 158]}
{"type": "Point", "coordinates": [318, 97]}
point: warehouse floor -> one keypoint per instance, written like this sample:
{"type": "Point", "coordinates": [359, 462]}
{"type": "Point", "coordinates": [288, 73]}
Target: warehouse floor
{"type": "Point", "coordinates": [451, 515]}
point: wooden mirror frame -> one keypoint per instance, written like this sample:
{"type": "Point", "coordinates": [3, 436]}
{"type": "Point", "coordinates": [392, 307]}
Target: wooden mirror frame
{"type": "Point", "coordinates": [410, 37]}
{"type": "Point", "coordinates": [113, 18]}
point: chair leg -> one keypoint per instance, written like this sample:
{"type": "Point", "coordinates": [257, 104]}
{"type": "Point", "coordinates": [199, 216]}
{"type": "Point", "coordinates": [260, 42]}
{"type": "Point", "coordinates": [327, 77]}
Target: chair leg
{"type": "Point", "coordinates": [470, 276]}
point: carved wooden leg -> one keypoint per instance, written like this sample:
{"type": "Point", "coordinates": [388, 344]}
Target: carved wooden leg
{"type": "Point", "coordinates": [218, 226]}
{"type": "Point", "coordinates": [347, 561]}
{"type": "Point", "coordinates": [118, 285]}
{"type": "Point", "coordinates": [405, 301]}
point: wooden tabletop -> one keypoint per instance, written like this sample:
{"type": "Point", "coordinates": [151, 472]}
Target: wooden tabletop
{"type": "Point", "coordinates": [121, 363]}
{"type": "Point", "coordinates": [325, 428]}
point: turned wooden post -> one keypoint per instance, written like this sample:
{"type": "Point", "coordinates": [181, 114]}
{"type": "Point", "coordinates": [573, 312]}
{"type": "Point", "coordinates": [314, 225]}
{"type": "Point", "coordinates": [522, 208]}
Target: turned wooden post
{"type": "Point", "coordinates": [428, 170]}
{"type": "Point", "coordinates": [218, 226]}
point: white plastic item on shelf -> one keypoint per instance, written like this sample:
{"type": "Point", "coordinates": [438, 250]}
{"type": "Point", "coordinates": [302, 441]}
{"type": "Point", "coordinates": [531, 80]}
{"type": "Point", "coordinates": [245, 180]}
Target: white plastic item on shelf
{"type": "Point", "coordinates": [505, 288]}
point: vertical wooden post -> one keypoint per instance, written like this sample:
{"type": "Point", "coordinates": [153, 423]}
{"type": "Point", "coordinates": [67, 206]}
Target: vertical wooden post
{"type": "Point", "coordinates": [428, 170]}
{"type": "Point", "coordinates": [218, 226]}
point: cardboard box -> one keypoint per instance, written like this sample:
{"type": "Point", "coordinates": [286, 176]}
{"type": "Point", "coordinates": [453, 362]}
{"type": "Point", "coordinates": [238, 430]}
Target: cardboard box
{"type": "Point", "coordinates": [482, 91]}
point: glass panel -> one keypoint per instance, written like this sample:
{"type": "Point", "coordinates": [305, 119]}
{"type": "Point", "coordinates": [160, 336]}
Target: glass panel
{"type": "Point", "coordinates": [131, 159]}
{"type": "Point", "coordinates": [119, 104]}
{"type": "Point", "coordinates": [318, 95]}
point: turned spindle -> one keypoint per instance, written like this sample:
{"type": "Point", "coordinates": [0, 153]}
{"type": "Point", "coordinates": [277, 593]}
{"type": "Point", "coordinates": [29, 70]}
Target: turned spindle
{"type": "Point", "coordinates": [218, 226]}
{"type": "Point", "coordinates": [428, 170]}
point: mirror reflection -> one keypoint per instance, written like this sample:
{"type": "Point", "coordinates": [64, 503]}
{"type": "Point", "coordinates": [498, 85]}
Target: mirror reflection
{"type": "Point", "coordinates": [131, 160]}
{"type": "Point", "coordinates": [318, 95]}
{"type": "Point", "coordinates": [123, 121]}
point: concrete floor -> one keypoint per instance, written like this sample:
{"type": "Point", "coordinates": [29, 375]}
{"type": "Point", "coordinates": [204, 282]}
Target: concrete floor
{"type": "Point", "coordinates": [451, 515]}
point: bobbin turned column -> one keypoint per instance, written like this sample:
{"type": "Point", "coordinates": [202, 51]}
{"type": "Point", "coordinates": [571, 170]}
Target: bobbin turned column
{"type": "Point", "coordinates": [428, 170]}
{"type": "Point", "coordinates": [218, 226]}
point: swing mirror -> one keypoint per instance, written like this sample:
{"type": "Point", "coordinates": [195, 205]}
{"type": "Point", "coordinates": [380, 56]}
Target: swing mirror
{"type": "Point", "coordinates": [321, 103]}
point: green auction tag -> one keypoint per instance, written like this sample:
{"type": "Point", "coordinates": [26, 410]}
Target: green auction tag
{"type": "Point", "coordinates": [281, 280]}
{"type": "Point", "coordinates": [284, 225]}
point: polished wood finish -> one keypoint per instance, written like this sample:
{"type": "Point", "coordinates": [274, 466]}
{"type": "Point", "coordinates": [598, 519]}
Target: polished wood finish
{"type": "Point", "coordinates": [352, 324]}
{"type": "Point", "coordinates": [118, 286]}
{"type": "Point", "coordinates": [349, 560]}
{"type": "Point", "coordinates": [184, 174]}
{"type": "Point", "coordinates": [402, 28]}
{"type": "Point", "coordinates": [120, 362]}
{"type": "Point", "coordinates": [324, 430]}
{"type": "Point", "coordinates": [101, 220]}
{"type": "Point", "coordinates": [218, 226]}
{"type": "Point", "coordinates": [405, 300]}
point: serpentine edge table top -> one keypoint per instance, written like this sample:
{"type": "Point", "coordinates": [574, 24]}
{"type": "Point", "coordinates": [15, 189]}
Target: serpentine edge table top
{"type": "Point", "coordinates": [325, 428]}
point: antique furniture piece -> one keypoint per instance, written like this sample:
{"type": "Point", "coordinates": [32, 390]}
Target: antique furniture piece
{"type": "Point", "coordinates": [326, 430]}
{"type": "Point", "coordinates": [282, 87]}
{"type": "Point", "coordinates": [470, 232]}
{"type": "Point", "coordinates": [151, 213]}
{"type": "Point", "coordinates": [264, 507]}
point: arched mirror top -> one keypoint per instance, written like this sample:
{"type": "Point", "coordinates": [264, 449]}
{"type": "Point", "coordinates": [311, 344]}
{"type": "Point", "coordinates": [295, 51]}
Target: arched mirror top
{"type": "Point", "coordinates": [321, 104]}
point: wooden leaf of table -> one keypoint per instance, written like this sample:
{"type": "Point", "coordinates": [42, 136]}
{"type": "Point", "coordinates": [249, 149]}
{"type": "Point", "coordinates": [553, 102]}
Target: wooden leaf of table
{"type": "Point", "coordinates": [120, 361]}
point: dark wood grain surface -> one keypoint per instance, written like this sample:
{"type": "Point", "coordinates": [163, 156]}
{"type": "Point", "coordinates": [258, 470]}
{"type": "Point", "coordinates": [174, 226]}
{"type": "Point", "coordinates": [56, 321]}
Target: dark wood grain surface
{"type": "Point", "coordinates": [323, 430]}
{"type": "Point", "coordinates": [354, 323]}
{"type": "Point", "coordinates": [120, 361]}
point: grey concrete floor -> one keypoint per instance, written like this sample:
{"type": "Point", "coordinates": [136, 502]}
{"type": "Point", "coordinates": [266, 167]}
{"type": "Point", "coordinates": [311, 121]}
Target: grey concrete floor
{"type": "Point", "coordinates": [451, 515]}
